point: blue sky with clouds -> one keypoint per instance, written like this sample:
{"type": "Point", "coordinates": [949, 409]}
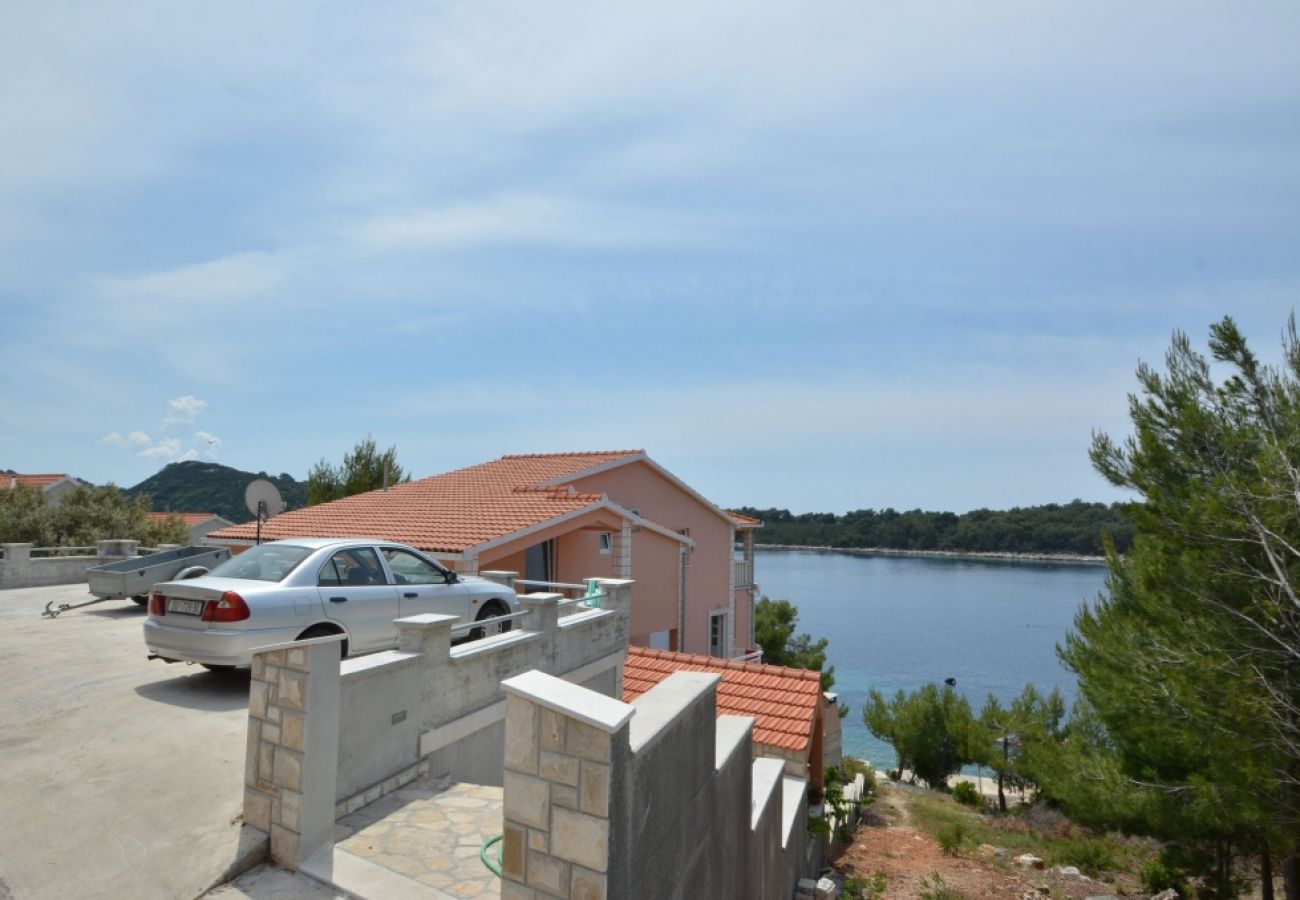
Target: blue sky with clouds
{"type": "Point", "coordinates": [822, 256]}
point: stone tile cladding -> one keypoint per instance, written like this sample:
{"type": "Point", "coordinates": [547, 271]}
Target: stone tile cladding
{"type": "Point", "coordinates": [557, 787]}
{"type": "Point", "coordinates": [277, 719]}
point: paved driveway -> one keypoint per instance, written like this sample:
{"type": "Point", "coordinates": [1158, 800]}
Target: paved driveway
{"type": "Point", "coordinates": [120, 777]}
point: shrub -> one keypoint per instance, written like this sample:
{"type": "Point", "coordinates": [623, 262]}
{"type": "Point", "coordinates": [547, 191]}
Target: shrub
{"type": "Point", "coordinates": [857, 887]}
{"type": "Point", "coordinates": [964, 793]}
{"type": "Point", "coordinates": [1093, 857]}
{"type": "Point", "coordinates": [935, 888]}
{"type": "Point", "coordinates": [1159, 875]}
{"type": "Point", "coordinates": [951, 837]}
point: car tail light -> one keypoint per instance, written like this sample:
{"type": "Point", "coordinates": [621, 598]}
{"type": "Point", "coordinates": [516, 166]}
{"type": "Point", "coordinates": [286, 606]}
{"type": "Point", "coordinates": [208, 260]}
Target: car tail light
{"type": "Point", "coordinates": [230, 608]}
{"type": "Point", "coordinates": [157, 604]}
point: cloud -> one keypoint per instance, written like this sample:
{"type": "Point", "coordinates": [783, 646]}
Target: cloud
{"type": "Point", "coordinates": [132, 440]}
{"type": "Point", "coordinates": [166, 449]}
{"type": "Point", "coordinates": [532, 219]}
{"type": "Point", "coordinates": [234, 277]}
{"type": "Point", "coordinates": [184, 409]}
{"type": "Point", "coordinates": [188, 455]}
{"type": "Point", "coordinates": [210, 444]}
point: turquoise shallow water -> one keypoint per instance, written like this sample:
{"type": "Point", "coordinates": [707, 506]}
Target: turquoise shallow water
{"type": "Point", "coordinates": [899, 621]}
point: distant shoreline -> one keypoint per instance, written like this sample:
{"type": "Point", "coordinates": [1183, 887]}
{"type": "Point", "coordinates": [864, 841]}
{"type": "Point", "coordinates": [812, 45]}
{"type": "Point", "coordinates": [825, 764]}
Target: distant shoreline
{"type": "Point", "coordinates": [1074, 558]}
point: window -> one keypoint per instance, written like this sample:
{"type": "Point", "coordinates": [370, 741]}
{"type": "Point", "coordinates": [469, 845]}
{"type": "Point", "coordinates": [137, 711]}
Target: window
{"type": "Point", "coordinates": [411, 569]}
{"type": "Point", "coordinates": [606, 542]}
{"type": "Point", "coordinates": [357, 566]}
{"type": "Point", "coordinates": [717, 633]}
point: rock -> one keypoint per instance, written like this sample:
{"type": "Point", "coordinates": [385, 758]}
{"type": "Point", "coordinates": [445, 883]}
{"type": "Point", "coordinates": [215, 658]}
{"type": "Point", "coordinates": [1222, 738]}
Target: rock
{"type": "Point", "coordinates": [1072, 871]}
{"type": "Point", "coordinates": [1166, 894]}
{"type": "Point", "coordinates": [806, 889]}
{"type": "Point", "coordinates": [1029, 861]}
{"type": "Point", "coordinates": [826, 890]}
{"type": "Point", "coordinates": [986, 850]}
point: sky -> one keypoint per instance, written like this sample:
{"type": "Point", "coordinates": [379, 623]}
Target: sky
{"type": "Point", "coordinates": [822, 256]}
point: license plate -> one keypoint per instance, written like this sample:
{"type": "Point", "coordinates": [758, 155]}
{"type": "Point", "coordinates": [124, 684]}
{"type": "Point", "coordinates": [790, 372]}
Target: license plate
{"type": "Point", "coordinates": [184, 607]}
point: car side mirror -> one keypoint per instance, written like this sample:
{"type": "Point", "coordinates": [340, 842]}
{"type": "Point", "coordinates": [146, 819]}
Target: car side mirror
{"type": "Point", "coordinates": [452, 577]}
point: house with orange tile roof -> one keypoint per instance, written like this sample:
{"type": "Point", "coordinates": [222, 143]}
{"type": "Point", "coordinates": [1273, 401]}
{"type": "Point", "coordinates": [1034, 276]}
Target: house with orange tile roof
{"type": "Point", "coordinates": [562, 518]}
{"type": "Point", "coordinates": [52, 485]}
{"type": "Point", "coordinates": [199, 525]}
{"type": "Point", "coordinates": [787, 705]}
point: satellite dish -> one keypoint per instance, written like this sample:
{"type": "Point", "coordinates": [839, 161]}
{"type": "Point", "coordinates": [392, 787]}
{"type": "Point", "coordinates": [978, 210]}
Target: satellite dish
{"type": "Point", "coordinates": [263, 500]}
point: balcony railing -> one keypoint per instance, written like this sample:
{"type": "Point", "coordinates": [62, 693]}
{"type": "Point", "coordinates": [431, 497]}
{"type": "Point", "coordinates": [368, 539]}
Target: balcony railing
{"type": "Point", "coordinates": [744, 572]}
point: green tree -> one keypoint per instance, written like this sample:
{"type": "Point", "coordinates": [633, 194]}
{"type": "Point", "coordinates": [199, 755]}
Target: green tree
{"type": "Point", "coordinates": [932, 730]}
{"type": "Point", "coordinates": [87, 514]}
{"type": "Point", "coordinates": [364, 469]}
{"type": "Point", "coordinates": [1013, 737]}
{"type": "Point", "coordinates": [774, 625]}
{"type": "Point", "coordinates": [25, 518]}
{"type": "Point", "coordinates": [1190, 669]}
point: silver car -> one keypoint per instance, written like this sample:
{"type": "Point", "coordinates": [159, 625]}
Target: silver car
{"type": "Point", "coordinates": [295, 589]}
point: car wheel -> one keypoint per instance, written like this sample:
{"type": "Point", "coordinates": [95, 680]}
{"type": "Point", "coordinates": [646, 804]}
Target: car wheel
{"type": "Point", "coordinates": [140, 599]}
{"type": "Point", "coordinates": [490, 611]}
{"type": "Point", "coordinates": [214, 668]}
{"type": "Point", "coordinates": [325, 631]}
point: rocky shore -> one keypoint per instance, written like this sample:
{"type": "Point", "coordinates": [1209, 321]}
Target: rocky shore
{"type": "Point", "coordinates": [1074, 558]}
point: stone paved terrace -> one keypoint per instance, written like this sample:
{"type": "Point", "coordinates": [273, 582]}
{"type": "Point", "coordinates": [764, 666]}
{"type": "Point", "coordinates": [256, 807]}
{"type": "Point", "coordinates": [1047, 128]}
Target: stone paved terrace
{"type": "Point", "coordinates": [429, 831]}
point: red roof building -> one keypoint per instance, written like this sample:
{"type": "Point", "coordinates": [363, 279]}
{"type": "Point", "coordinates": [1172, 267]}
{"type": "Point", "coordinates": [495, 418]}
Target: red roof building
{"type": "Point", "coordinates": [562, 518]}
{"type": "Point", "coordinates": [53, 485]}
{"type": "Point", "coordinates": [786, 704]}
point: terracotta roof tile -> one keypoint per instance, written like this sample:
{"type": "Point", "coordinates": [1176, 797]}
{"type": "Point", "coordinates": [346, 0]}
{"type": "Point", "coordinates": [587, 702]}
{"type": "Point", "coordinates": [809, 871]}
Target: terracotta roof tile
{"type": "Point", "coordinates": [190, 519]}
{"type": "Point", "coordinates": [32, 481]}
{"type": "Point", "coordinates": [742, 519]}
{"type": "Point", "coordinates": [782, 701]}
{"type": "Point", "coordinates": [446, 513]}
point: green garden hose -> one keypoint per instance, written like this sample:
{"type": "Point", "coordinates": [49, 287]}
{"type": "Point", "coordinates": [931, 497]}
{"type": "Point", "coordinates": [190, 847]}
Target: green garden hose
{"type": "Point", "coordinates": [483, 855]}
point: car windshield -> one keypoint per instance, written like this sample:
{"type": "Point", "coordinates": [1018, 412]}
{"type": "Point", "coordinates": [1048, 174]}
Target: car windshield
{"type": "Point", "coordinates": [268, 562]}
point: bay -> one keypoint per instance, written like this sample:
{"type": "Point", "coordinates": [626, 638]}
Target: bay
{"type": "Point", "coordinates": [897, 622]}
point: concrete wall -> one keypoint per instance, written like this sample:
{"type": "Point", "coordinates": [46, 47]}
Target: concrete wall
{"type": "Point", "coordinates": [654, 799]}
{"type": "Point", "coordinates": [385, 719]}
{"type": "Point", "coordinates": [18, 569]}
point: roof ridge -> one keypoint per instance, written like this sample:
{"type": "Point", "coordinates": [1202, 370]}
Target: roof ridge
{"type": "Point", "coordinates": [718, 662]}
{"type": "Point", "coordinates": [572, 453]}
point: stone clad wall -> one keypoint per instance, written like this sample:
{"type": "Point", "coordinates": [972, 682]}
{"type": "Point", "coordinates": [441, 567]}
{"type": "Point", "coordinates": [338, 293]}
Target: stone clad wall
{"type": "Point", "coordinates": [292, 706]}
{"type": "Point", "coordinates": [653, 799]}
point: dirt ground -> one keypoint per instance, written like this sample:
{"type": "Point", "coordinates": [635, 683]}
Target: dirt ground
{"type": "Point", "coordinates": [909, 858]}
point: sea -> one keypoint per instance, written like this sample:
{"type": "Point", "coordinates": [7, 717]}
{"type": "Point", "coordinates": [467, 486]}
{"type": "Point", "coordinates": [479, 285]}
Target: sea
{"type": "Point", "coordinates": [896, 622]}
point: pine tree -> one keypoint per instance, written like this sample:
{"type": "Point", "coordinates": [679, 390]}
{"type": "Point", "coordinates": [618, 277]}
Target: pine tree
{"type": "Point", "coordinates": [1191, 667]}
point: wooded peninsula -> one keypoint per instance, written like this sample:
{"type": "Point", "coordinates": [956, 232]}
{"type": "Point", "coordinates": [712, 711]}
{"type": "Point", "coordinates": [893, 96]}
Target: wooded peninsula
{"type": "Point", "coordinates": [1074, 528]}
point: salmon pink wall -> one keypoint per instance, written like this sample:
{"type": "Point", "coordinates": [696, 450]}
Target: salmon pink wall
{"type": "Point", "coordinates": [655, 564]}
{"type": "Point", "coordinates": [708, 576]}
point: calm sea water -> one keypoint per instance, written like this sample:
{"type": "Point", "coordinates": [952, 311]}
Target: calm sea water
{"type": "Point", "coordinates": [899, 621]}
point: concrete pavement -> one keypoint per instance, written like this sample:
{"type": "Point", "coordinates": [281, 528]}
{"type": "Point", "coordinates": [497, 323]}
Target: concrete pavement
{"type": "Point", "coordinates": [122, 776]}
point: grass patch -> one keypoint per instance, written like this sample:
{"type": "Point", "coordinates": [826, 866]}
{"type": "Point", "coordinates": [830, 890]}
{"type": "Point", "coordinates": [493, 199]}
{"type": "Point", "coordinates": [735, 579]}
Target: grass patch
{"type": "Point", "coordinates": [1038, 831]}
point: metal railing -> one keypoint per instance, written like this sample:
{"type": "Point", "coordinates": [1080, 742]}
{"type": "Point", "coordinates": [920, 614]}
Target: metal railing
{"type": "Point", "coordinates": [48, 552]}
{"type": "Point", "coordinates": [569, 604]}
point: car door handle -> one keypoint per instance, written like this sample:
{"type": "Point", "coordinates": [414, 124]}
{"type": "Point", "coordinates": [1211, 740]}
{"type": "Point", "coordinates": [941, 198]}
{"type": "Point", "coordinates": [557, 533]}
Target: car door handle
{"type": "Point", "coordinates": [410, 595]}
{"type": "Point", "coordinates": [338, 599]}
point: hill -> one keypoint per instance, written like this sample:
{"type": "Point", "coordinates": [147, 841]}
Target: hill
{"type": "Point", "coordinates": [210, 487]}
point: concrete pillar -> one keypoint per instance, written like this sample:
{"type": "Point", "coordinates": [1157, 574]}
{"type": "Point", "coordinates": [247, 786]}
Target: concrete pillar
{"type": "Point", "coordinates": [17, 553]}
{"type": "Point", "coordinates": [429, 634]}
{"type": "Point", "coordinates": [566, 798]}
{"type": "Point", "coordinates": [291, 764]}
{"type": "Point", "coordinates": [501, 577]}
{"type": "Point", "coordinates": [618, 594]}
